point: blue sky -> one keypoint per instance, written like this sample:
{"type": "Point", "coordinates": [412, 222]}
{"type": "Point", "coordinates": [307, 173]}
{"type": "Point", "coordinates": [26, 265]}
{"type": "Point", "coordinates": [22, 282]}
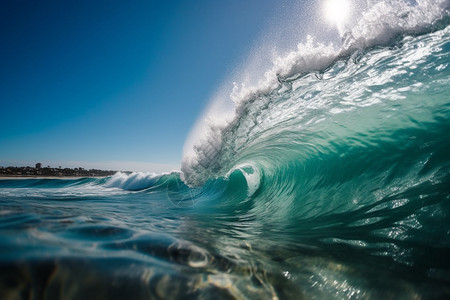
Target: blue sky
{"type": "Point", "coordinates": [115, 84]}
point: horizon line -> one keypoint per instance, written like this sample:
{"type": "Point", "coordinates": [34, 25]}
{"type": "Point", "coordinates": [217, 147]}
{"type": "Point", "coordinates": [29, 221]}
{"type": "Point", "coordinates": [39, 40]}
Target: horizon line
{"type": "Point", "coordinates": [125, 166]}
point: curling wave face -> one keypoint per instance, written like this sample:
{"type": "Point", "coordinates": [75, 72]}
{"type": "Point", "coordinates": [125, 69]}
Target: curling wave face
{"type": "Point", "coordinates": [320, 83]}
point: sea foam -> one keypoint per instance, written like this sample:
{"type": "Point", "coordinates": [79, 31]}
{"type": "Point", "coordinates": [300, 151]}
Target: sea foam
{"type": "Point", "coordinates": [132, 182]}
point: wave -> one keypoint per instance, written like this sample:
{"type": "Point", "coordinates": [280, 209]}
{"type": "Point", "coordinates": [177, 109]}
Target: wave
{"type": "Point", "coordinates": [344, 149]}
{"type": "Point", "coordinates": [49, 182]}
{"type": "Point", "coordinates": [319, 83]}
{"type": "Point", "coordinates": [330, 180]}
{"type": "Point", "coordinates": [136, 181]}
{"type": "Point", "coordinates": [133, 182]}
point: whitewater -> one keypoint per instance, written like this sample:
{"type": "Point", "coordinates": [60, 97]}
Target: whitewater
{"type": "Point", "coordinates": [327, 177]}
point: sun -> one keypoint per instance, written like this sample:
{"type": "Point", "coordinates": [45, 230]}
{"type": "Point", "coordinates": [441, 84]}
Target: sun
{"type": "Point", "coordinates": [337, 11]}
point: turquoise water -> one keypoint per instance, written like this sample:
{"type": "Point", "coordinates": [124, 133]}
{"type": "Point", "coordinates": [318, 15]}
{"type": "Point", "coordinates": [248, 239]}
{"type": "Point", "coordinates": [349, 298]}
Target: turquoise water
{"type": "Point", "coordinates": [331, 183]}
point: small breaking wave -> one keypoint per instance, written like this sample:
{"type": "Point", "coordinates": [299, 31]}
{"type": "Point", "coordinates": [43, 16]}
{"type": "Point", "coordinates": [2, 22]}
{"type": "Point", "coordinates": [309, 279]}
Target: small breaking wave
{"type": "Point", "coordinates": [132, 182]}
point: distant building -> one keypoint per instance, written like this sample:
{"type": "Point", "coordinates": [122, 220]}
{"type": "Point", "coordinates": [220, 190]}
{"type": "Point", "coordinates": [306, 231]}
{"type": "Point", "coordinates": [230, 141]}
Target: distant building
{"type": "Point", "coordinates": [38, 165]}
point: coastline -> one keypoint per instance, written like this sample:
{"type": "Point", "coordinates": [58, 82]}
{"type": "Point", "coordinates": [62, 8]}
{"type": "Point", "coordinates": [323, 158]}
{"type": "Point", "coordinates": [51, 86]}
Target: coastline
{"type": "Point", "coordinates": [6, 177]}
{"type": "Point", "coordinates": [52, 173]}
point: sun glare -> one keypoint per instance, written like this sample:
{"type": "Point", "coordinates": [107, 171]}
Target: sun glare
{"type": "Point", "coordinates": [337, 11]}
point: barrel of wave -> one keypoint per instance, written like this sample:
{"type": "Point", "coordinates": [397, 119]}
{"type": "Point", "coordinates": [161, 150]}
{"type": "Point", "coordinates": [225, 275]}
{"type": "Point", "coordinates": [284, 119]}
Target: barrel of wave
{"type": "Point", "coordinates": [252, 176]}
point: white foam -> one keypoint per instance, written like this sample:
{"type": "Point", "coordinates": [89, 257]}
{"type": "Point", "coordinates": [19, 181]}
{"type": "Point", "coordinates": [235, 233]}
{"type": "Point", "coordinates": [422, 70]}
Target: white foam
{"type": "Point", "coordinates": [308, 57]}
{"type": "Point", "coordinates": [133, 182]}
{"type": "Point", "coordinates": [387, 19]}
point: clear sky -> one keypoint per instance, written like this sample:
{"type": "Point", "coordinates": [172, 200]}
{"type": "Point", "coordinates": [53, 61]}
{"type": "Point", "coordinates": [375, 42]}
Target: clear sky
{"type": "Point", "coordinates": [115, 84]}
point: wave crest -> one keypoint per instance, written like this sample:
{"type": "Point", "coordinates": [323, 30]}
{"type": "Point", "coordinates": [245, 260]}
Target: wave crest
{"type": "Point", "coordinates": [132, 182]}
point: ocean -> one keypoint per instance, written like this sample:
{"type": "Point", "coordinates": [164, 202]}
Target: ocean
{"type": "Point", "coordinates": [330, 179]}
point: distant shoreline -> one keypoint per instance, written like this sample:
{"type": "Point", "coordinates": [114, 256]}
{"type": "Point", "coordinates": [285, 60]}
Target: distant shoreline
{"type": "Point", "coordinates": [5, 177]}
{"type": "Point", "coordinates": [49, 172]}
